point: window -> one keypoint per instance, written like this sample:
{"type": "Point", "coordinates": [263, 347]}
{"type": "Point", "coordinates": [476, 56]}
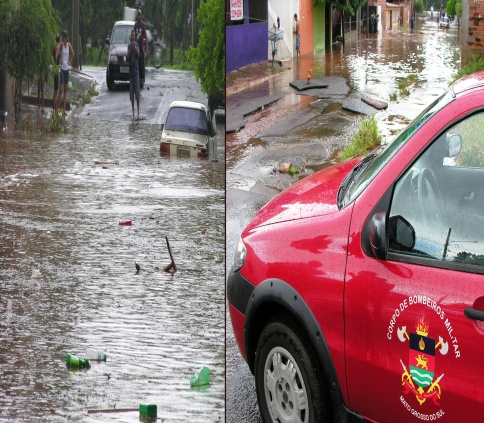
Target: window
{"type": "Point", "coordinates": [187, 120]}
{"type": "Point", "coordinates": [257, 11]}
{"type": "Point", "coordinates": [441, 199]}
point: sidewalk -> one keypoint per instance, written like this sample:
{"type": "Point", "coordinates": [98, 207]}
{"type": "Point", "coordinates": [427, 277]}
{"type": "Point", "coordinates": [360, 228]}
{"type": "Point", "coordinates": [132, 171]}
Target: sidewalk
{"type": "Point", "coordinates": [81, 83]}
{"type": "Point", "coordinates": [254, 74]}
{"type": "Point", "coordinates": [238, 104]}
{"type": "Point", "coordinates": [243, 98]}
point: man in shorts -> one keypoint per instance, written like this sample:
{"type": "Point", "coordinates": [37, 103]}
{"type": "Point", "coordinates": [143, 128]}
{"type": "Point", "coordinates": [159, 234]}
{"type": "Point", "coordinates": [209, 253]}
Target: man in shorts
{"type": "Point", "coordinates": [65, 53]}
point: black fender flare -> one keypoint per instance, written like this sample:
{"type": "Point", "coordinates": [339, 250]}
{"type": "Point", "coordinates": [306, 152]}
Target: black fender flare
{"type": "Point", "coordinates": [281, 293]}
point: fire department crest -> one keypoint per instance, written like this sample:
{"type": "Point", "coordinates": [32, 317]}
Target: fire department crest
{"type": "Point", "coordinates": [419, 379]}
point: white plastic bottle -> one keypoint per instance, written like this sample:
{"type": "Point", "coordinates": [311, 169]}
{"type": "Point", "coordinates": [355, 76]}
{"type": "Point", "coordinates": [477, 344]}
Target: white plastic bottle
{"type": "Point", "coordinates": [93, 354]}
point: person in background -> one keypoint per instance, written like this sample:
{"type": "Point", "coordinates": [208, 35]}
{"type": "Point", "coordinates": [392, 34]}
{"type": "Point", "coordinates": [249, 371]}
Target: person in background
{"type": "Point", "coordinates": [55, 97]}
{"type": "Point", "coordinates": [141, 39]}
{"type": "Point", "coordinates": [133, 56]}
{"type": "Point", "coordinates": [65, 53]}
{"type": "Point", "coordinates": [297, 29]}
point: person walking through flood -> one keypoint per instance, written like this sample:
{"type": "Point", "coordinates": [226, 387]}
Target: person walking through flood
{"type": "Point", "coordinates": [66, 53]}
{"type": "Point", "coordinates": [297, 29]}
{"type": "Point", "coordinates": [142, 40]}
{"type": "Point", "coordinates": [133, 55]}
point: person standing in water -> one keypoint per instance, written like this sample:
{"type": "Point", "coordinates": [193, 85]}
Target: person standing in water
{"type": "Point", "coordinates": [66, 53]}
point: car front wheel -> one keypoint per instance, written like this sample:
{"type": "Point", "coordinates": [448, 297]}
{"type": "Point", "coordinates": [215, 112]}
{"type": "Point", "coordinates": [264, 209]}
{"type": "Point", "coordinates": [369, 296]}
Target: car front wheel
{"type": "Point", "coordinates": [109, 82]}
{"type": "Point", "coordinates": [288, 383]}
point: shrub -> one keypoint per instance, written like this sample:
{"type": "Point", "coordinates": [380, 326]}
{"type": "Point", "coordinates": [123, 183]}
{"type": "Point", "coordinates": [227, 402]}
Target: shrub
{"type": "Point", "coordinates": [365, 139]}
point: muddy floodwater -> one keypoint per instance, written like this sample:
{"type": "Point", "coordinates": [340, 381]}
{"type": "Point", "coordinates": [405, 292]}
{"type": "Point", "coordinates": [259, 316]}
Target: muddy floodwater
{"type": "Point", "coordinates": [303, 128]}
{"type": "Point", "coordinates": [68, 278]}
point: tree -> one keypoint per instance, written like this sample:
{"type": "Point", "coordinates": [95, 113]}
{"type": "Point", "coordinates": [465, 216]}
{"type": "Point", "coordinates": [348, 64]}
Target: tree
{"type": "Point", "coordinates": [346, 6]}
{"type": "Point", "coordinates": [450, 9]}
{"type": "Point", "coordinates": [208, 58]}
{"type": "Point", "coordinates": [458, 11]}
{"type": "Point", "coordinates": [28, 35]}
{"type": "Point", "coordinates": [419, 6]}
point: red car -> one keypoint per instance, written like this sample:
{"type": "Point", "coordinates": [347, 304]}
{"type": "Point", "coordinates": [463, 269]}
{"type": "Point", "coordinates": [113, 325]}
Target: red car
{"type": "Point", "coordinates": [359, 291]}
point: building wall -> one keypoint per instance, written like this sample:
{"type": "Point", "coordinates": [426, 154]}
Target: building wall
{"type": "Point", "coordinates": [306, 15]}
{"type": "Point", "coordinates": [319, 27]}
{"type": "Point", "coordinates": [472, 30]}
{"type": "Point", "coordinates": [246, 43]}
{"type": "Point", "coordinates": [284, 9]}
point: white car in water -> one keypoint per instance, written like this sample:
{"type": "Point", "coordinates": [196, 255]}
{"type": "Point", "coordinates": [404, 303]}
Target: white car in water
{"type": "Point", "coordinates": [445, 22]}
{"type": "Point", "coordinates": [189, 130]}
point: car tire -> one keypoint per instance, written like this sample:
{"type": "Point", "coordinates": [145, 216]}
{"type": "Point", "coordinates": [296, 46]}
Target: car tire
{"type": "Point", "coordinates": [288, 379]}
{"type": "Point", "coordinates": [109, 82]}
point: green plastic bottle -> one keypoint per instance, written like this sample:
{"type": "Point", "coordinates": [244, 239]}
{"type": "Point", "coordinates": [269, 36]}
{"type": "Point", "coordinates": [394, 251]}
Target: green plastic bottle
{"type": "Point", "coordinates": [73, 361]}
{"type": "Point", "coordinates": [201, 377]}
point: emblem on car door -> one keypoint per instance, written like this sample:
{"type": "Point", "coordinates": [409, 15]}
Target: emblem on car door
{"type": "Point", "coordinates": [419, 378]}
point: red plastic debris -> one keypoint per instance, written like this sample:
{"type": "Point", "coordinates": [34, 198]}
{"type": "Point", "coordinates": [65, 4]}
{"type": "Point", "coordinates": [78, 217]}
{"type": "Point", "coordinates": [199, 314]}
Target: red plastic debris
{"type": "Point", "coordinates": [126, 223]}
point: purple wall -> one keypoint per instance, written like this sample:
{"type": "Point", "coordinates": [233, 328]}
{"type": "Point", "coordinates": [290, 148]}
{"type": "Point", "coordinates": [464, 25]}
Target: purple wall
{"type": "Point", "coordinates": [245, 44]}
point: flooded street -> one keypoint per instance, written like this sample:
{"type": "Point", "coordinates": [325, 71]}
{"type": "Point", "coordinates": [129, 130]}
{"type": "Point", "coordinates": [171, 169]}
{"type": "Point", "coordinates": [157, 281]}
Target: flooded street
{"type": "Point", "coordinates": [313, 129]}
{"type": "Point", "coordinates": [60, 217]}
{"type": "Point", "coordinates": [310, 131]}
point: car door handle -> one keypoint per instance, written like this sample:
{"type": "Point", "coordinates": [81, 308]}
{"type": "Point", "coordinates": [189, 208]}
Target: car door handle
{"type": "Point", "coordinates": [474, 314]}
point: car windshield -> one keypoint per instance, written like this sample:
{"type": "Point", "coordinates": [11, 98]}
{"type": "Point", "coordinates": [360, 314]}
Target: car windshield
{"type": "Point", "coordinates": [121, 35]}
{"type": "Point", "coordinates": [187, 120]}
{"type": "Point", "coordinates": [357, 181]}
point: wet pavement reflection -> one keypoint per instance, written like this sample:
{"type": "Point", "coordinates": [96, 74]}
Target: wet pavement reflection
{"type": "Point", "coordinates": [60, 217]}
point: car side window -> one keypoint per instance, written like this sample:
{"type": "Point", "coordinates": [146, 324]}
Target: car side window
{"type": "Point", "coordinates": [437, 209]}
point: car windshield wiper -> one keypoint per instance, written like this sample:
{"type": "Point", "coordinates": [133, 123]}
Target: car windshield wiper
{"type": "Point", "coordinates": [351, 177]}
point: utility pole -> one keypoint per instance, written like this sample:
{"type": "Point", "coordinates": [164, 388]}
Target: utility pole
{"type": "Point", "coordinates": [75, 32]}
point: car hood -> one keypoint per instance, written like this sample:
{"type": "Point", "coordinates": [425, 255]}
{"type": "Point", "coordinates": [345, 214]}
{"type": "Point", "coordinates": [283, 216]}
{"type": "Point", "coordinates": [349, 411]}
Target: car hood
{"type": "Point", "coordinates": [119, 49]}
{"type": "Point", "coordinates": [315, 195]}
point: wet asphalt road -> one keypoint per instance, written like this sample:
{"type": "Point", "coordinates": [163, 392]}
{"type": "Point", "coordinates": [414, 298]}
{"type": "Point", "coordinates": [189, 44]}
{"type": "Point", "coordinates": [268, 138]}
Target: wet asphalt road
{"type": "Point", "coordinates": [313, 128]}
{"type": "Point", "coordinates": [162, 86]}
{"type": "Point", "coordinates": [67, 266]}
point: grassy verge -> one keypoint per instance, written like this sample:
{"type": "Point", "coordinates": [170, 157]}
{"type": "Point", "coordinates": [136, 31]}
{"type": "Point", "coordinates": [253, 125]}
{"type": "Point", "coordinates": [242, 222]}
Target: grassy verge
{"type": "Point", "coordinates": [364, 140]}
{"type": "Point", "coordinates": [475, 64]}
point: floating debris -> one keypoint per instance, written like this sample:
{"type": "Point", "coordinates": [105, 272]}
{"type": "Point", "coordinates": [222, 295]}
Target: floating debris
{"type": "Point", "coordinates": [36, 274]}
{"type": "Point", "coordinates": [148, 410]}
{"type": "Point", "coordinates": [97, 355]}
{"type": "Point", "coordinates": [201, 377]}
{"type": "Point", "coordinates": [74, 361]}
{"type": "Point", "coordinates": [172, 265]}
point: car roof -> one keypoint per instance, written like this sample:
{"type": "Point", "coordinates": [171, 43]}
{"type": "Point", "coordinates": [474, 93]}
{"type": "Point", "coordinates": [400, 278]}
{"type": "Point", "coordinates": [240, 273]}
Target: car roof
{"type": "Point", "coordinates": [122, 23]}
{"type": "Point", "coordinates": [188, 105]}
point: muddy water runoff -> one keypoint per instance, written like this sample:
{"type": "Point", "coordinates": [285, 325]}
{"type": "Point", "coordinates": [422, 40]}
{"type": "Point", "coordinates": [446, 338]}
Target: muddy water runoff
{"type": "Point", "coordinates": [60, 216]}
{"type": "Point", "coordinates": [373, 66]}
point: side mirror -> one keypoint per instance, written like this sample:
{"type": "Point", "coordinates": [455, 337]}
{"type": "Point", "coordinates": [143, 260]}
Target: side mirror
{"type": "Point", "coordinates": [401, 234]}
{"type": "Point", "coordinates": [162, 127]}
{"type": "Point", "coordinates": [454, 145]}
{"type": "Point", "coordinates": [107, 41]}
{"type": "Point", "coordinates": [378, 240]}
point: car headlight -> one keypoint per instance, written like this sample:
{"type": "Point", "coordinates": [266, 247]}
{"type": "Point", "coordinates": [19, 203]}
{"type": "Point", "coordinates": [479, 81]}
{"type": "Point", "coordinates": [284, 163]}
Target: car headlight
{"type": "Point", "coordinates": [113, 58]}
{"type": "Point", "coordinates": [240, 255]}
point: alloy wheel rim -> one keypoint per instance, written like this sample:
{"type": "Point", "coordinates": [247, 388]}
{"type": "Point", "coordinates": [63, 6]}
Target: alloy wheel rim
{"type": "Point", "coordinates": [285, 391]}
